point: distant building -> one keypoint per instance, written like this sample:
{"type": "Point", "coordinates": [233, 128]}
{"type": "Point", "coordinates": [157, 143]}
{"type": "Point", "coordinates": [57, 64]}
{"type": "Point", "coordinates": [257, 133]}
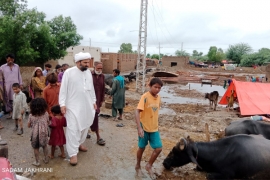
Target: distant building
{"type": "Point", "coordinates": [69, 58]}
{"type": "Point", "coordinates": [179, 61]}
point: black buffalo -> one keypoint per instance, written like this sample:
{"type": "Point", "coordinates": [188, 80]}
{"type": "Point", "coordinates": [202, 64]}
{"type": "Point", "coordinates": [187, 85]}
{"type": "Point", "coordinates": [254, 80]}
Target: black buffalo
{"type": "Point", "coordinates": [248, 127]}
{"type": "Point", "coordinates": [238, 156]}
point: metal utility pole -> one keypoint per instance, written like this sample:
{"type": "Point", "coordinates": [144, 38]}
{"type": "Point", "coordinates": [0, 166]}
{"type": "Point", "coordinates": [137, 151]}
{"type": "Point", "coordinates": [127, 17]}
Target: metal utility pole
{"type": "Point", "coordinates": [181, 46]}
{"type": "Point", "coordinates": [140, 80]}
{"type": "Point", "coordinates": [90, 42]}
{"type": "Point", "coordinates": [159, 51]}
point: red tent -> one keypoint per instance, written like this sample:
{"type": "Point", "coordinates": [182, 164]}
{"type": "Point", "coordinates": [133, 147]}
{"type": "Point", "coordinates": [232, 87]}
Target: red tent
{"type": "Point", "coordinates": [253, 97]}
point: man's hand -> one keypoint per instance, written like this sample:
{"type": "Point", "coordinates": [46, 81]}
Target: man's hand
{"type": "Point", "coordinates": [140, 132]}
{"type": "Point", "coordinates": [63, 110]}
{"type": "Point", "coordinates": [95, 106]}
{"type": "Point", "coordinates": [22, 112]}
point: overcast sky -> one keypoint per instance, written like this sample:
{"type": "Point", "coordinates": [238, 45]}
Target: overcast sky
{"type": "Point", "coordinates": [198, 24]}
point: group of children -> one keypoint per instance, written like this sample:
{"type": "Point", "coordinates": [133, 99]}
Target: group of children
{"type": "Point", "coordinates": [45, 120]}
{"type": "Point", "coordinates": [40, 123]}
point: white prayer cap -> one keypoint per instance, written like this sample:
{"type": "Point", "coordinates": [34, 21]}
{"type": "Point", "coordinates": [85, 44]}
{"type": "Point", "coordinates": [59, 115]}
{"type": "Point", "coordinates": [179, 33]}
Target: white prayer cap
{"type": "Point", "coordinates": [82, 56]}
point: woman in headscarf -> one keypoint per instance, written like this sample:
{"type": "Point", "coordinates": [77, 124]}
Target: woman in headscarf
{"type": "Point", "coordinates": [38, 83]}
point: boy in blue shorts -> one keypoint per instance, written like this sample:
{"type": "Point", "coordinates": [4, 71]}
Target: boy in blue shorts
{"type": "Point", "coordinates": [147, 124]}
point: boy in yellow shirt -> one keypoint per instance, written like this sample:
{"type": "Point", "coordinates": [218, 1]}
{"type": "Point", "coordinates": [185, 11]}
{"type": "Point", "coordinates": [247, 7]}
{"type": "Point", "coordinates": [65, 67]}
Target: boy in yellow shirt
{"type": "Point", "coordinates": [146, 116]}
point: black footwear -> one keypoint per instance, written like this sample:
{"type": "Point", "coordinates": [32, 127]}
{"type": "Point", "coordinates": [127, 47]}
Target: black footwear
{"type": "Point", "coordinates": [88, 136]}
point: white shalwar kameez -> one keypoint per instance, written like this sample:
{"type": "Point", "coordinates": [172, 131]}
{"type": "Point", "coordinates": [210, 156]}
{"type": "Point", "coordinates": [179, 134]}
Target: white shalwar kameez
{"type": "Point", "coordinates": [78, 95]}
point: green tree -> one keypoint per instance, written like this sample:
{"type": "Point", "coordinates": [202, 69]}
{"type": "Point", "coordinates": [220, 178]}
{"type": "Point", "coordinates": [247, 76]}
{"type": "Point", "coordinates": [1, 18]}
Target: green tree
{"type": "Point", "coordinates": [258, 58]}
{"type": "Point", "coordinates": [125, 48]}
{"type": "Point", "coordinates": [235, 52]}
{"type": "Point", "coordinates": [64, 35]}
{"type": "Point", "coordinates": [196, 54]}
{"type": "Point", "coordinates": [215, 54]}
{"type": "Point", "coordinates": [212, 53]}
{"type": "Point", "coordinates": [181, 53]}
{"type": "Point", "coordinates": [31, 38]}
{"type": "Point", "coordinates": [155, 56]}
{"type": "Point", "coordinates": [12, 7]}
{"type": "Point", "coordinates": [220, 55]}
{"type": "Point", "coordinates": [148, 55]}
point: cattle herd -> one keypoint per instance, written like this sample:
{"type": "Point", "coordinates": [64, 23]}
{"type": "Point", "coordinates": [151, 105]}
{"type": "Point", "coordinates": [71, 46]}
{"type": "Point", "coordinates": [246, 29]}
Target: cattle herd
{"type": "Point", "coordinates": [244, 151]}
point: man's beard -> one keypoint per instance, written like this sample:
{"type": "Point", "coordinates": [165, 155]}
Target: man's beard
{"type": "Point", "coordinates": [83, 68]}
{"type": "Point", "coordinates": [98, 72]}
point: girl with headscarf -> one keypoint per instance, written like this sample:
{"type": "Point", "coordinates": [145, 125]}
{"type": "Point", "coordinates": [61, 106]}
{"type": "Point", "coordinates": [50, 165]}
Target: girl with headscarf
{"type": "Point", "coordinates": [38, 83]}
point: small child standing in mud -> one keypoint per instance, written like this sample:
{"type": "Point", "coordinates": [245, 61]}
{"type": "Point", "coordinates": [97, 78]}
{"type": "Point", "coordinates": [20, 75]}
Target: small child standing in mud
{"type": "Point", "coordinates": [57, 137]}
{"type": "Point", "coordinates": [147, 124]}
{"type": "Point", "coordinates": [39, 122]}
{"type": "Point", "coordinates": [19, 107]}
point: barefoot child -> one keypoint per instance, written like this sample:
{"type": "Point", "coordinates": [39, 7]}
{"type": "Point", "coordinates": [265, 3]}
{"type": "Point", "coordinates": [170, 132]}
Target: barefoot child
{"type": "Point", "coordinates": [147, 124]}
{"type": "Point", "coordinates": [39, 122]}
{"type": "Point", "coordinates": [57, 137]}
{"type": "Point", "coordinates": [19, 107]}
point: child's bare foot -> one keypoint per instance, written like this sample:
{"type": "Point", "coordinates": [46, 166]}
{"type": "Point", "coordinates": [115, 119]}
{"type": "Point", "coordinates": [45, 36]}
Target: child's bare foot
{"type": "Point", "coordinates": [139, 172]}
{"type": "Point", "coordinates": [148, 168]}
{"type": "Point", "coordinates": [36, 163]}
{"type": "Point", "coordinates": [62, 155]}
{"type": "Point", "coordinates": [51, 156]}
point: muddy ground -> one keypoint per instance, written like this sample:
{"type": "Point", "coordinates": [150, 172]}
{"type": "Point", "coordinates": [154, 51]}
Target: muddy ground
{"type": "Point", "coordinates": [184, 112]}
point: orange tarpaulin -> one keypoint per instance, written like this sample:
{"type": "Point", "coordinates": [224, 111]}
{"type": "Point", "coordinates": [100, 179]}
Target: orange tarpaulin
{"type": "Point", "coordinates": [253, 97]}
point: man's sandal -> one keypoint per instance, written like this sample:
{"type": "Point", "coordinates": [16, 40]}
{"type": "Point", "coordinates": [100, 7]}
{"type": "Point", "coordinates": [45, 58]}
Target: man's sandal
{"type": "Point", "coordinates": [101, 142]}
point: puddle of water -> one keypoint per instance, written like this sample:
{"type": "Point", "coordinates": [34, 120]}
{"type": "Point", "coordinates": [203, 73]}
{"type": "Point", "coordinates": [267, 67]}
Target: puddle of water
{"type": "Point", "coordinates": [205, 88]}
{"type": "Point", "coordinates": [167, 111]}
{"type": "Point", "coordinates": [171, 98]}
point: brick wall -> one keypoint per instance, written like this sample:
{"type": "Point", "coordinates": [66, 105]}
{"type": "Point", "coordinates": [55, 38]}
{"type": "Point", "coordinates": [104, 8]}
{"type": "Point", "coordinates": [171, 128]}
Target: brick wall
{"type": "Point", "coordinates": [123, 62]}
{"type": "Point", "coordinates": [127, 62]}
{"type": "Point", "coordinates": [109, 61]}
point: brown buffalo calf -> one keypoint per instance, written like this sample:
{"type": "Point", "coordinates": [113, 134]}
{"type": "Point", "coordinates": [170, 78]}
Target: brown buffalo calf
{"type": "Point", "coordinates": [213, 98]}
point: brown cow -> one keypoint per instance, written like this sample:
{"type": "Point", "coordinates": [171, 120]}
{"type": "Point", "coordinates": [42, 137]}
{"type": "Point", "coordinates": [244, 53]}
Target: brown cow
{"type": "Point", "coordinates": [213, 98]}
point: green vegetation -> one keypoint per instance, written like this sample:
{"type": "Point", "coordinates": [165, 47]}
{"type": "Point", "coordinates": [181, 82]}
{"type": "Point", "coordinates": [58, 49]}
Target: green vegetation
{"type": "Point", "coordinates": [27, 34]}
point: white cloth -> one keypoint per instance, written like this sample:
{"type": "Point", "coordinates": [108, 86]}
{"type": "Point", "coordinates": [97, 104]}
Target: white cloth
{"type": "Point", "coordinates": [82, 56]}
{"type": "Point", "coordinates": [74, 139]}
{"type": "Point", "coordinates": [19, 104]}
{"type": "Point", "coordinates": [77, 93]}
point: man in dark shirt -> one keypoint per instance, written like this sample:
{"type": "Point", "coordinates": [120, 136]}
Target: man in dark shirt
{"type": "Point", "coordinates": [99, 85]}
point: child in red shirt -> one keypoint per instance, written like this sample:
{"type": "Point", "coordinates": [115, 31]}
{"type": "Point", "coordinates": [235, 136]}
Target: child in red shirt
{"type": "Point", "coordinates": [57, 137]}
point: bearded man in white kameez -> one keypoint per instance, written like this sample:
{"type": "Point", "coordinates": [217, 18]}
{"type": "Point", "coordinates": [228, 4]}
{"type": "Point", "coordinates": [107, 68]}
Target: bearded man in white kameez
{"type": "Point", "coordinates": [78, 103]}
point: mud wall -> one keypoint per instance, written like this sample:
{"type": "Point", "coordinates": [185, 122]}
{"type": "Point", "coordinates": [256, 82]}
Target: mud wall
{"type": "Point", "coordinates": [178, 61]}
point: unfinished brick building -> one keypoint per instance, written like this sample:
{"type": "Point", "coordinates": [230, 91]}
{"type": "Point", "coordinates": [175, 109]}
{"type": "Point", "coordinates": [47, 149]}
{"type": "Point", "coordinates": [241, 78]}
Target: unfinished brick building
{"type": "Point", "coordinates": [121, 61]}
{"type": "Point", "coordinates": [179, 61]}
